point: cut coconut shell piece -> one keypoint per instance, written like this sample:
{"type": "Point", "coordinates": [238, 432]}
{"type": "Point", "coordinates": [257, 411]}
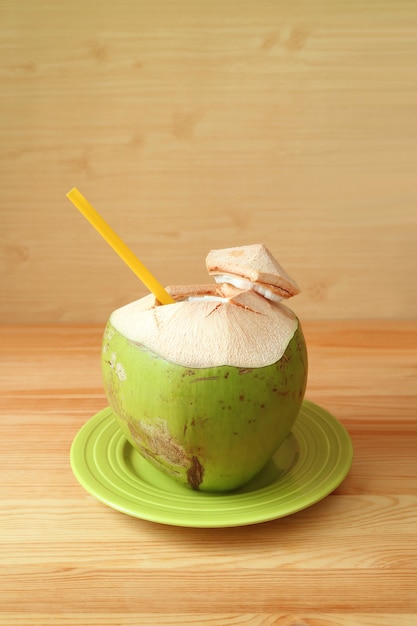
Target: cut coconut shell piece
{"type": "Point", "coordinates": [251, 267]}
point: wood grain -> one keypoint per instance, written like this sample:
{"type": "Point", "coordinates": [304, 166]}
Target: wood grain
{"type": "Point", "coordinates": [222, 619]}
{"type": "Point", "coordinates": [350, 560]}
{"type": "Point", "coordinates": [193, 125]}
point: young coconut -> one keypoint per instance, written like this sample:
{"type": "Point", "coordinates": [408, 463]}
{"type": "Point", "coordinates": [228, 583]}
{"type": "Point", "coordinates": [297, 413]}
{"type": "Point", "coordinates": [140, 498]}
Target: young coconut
{"type": "Point", "coordinates": [208, 388]}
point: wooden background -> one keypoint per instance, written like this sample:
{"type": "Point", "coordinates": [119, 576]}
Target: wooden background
{"type": "Point", "coordinates": [192, 125]}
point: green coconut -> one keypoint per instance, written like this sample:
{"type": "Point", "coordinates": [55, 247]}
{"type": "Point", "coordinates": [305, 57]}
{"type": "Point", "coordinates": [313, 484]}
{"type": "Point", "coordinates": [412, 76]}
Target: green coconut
{"type": "Point", "coordinates": [208, 388]}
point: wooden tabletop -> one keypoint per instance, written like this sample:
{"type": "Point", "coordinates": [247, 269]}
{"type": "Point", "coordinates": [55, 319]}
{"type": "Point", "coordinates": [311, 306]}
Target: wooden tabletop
{"type": "Point", "coordinates": [350, 559]}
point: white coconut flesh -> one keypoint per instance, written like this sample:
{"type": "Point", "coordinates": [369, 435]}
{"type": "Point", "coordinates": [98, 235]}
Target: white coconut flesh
{"type": "Point", "coordinates": [245, 283]}
{"type": "Point", "coordinates": [209, 327]}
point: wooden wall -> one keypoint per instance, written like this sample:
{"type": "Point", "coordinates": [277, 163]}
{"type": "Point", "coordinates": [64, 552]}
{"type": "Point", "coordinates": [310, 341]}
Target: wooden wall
{"type": "Point", "coordinates": [198, 124]}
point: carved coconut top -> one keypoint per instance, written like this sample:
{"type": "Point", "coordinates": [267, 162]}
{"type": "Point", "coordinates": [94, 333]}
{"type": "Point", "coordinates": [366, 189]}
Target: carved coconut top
{"type": "Point", "coordinates": [218, 324]}
{"type": "Point", "coordinates": [252, 267]}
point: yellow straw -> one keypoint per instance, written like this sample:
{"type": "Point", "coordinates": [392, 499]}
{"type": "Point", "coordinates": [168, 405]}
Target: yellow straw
{"type": "Point", "coordinates": [119, 246]}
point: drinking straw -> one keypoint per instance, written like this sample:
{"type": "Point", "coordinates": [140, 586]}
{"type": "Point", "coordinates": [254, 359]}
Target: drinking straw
{"type": "Point", "coordinates": [119, 246]}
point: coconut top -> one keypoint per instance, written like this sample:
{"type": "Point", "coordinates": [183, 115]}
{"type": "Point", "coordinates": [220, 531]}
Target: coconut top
{"type": "Point", "coordinates": [236, 322]}
{"type": "Point", "coordinates": [209, 325]}
{"type": "Point", "coordinates": [252, 267]}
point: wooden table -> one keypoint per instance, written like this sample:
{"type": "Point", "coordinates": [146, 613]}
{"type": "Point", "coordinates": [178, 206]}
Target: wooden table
{"type": "Point", "coordinates": [351, 559]}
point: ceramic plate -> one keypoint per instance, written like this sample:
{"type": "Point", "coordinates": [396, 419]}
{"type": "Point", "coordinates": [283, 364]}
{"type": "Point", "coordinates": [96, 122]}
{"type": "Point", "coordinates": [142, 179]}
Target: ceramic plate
{"type": "Point", "coordinates": [309, 465]}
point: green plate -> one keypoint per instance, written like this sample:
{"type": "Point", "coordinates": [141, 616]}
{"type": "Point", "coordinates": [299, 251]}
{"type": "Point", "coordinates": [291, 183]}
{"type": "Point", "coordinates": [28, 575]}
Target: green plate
{"type": "Point", "coordinates": [309, 465]}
